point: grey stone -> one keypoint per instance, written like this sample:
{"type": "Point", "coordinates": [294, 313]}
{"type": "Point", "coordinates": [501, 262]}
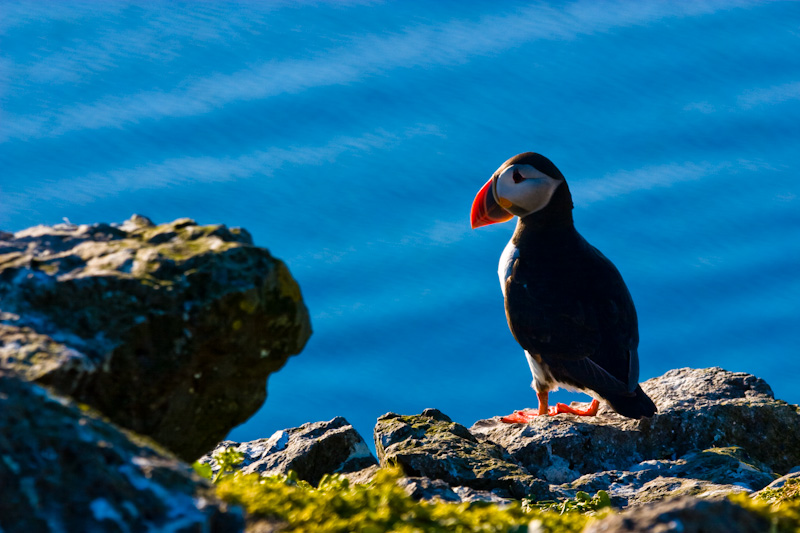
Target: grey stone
{"type": "Point", "coordinates": [170, 330]}
{"type": "Point", "coordinates": [666, 488]}
{"type": "Point", "coordinates": [431, 445]}
{"type": "Point", "coordinates": [423, 488]}
{"type": "Point", "coordinates": [707, 473]}
{"type": "Point", "coordinates": [682, 515]}
{"type": "Point", "coordinates": [794, 474]}
{"type": "Point", "coordinates": [311, 450]}
{"type": "Point", "coordinates": [65, 468]}
{"type": "Point", "coordinates": [470, 495]}
{"type": "Point", "coordinates": [698, 409]}
{"type": "Point", "coordinates": [363, 476]}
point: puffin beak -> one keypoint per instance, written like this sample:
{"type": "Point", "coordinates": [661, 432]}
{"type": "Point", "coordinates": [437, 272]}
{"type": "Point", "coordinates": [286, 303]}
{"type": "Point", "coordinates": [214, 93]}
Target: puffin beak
{"type": "Point", "coordinates": [485, 209]}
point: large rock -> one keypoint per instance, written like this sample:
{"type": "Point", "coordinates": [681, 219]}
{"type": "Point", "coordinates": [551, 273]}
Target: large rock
{"type": "Point", "coordinates": [64, 468]}
{"type": "Point", "coordinates": [683, 515]}
{"type": "Point", "coordinates": [311, 450]}
{"type": "Point", "coordinates": [698, 409]}
{"type": "Point", "coordinates": [711, 473]}
{"type": "Point", "coordinates": [169, 330]}
{"type": "Point", "coordinates": [430, 445]}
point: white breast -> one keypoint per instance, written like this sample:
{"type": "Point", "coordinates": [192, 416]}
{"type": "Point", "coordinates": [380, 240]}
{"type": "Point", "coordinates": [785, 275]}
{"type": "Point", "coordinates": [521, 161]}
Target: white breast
{"type": "Point", "coordinates": [510, 254]}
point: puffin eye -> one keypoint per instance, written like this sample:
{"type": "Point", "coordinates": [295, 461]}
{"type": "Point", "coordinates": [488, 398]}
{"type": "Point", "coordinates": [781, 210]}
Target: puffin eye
{"type": "Point", "coordinates": [517, 176]}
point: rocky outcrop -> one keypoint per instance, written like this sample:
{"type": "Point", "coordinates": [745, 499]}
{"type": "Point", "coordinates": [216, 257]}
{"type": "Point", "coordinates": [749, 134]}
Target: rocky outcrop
{"type": "Point", "coordinates": [683, 515]}
{"type": "Point", "coordinates": [716, 433]}
{"type": "Point", "coordinates": [64, 468]}
{"type": "Point", "coordinates": [311, 450]}
{"type": "Point", "coordinates": [169, 330]}
{"type": "Point", "coordinates": [667, 481]}
{"type": "Point", "coordinates": [430, 445]}
{"type": "Point", "coordinates": [698, 409]}
{"type": "Point", "coordinates": [712, 473]}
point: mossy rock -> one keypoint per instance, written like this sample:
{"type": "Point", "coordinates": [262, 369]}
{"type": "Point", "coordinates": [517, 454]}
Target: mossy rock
{"type": "Point", "coordinates": [170, 330]}
{"type": "Point", "coordinates": [433, 446]}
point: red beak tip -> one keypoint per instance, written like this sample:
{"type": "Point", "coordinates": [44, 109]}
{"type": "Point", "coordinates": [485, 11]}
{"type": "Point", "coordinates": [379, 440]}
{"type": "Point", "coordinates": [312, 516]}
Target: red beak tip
{"type": "Point", "coordinates": [486, 210]}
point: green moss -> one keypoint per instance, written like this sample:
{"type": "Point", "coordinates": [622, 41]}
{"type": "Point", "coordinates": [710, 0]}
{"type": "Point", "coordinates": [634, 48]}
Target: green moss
{"type": "Point", "coordinates": [582, 502]}
{"type": "Point", "coordinates": [203, 470]}
{"type": "Point", "coordinates": [287, 285]}
{"type": "Point", "coordinates": [380, 506]}
{"type": "Point", "coordinates": [780, 506]}
{"type": "Point", "coordinates": [788, 493]}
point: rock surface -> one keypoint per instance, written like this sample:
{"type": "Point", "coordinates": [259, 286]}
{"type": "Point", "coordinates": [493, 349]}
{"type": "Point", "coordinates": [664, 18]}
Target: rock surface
{"type": "Point", "coordinates": [431, 445]}
{"type": "Point", "coordinates": [169, 330]}
{"type": "Point", "coordinates": [708, 474]}
{"type": "Point", "coordinates": [64, 468]}
{"type": "Point", "coordinates": [311, 450]}
{"type": "Point", "coordinates": [636, 462]}
{"type": "Point", "coordinates": [698, 409]}
{"type": "Point", "coordinates": [683, 515]}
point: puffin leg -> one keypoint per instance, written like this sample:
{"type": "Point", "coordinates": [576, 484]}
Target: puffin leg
{"type": "Point", "coordinates": [526, 415]}
{"type": "Point", "coordinates": [589, 411]}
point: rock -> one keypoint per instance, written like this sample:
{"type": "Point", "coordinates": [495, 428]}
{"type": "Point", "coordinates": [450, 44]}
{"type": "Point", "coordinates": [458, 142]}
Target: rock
{"type": "Point", "coordinates": [781, 481]}
{"type": "Point", "coordinates": [423, 488]}
{"type": "Point", "coordinates": [363, 476]}
{"type": "Point", "coordinates": [665, 488]}
{"type": "Point", "coordinates": [706, 474]}
{"type": "Point", "coordinates": [698, 409]}
{"type": "Point", "coordinates": [682, 515]}
{"type": "Point", "coordinates": [433, 446]}
{"type": "Point", "coordinates": [470, 495]}
{"type": "Point", "coordinates": [64, 468]}
{"type": "Point", "coordinates": [311, 450]}
{"type": "Point", "coordinates": [170, 330]}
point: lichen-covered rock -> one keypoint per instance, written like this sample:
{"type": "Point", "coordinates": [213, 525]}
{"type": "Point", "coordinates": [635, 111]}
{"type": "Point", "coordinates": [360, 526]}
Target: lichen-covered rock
{"type": "Point", "coordinates": [794, 474]}
{"type": "Point", "coordinates": [363, 476]}
{"type": "Point", "coordinates": [423, 488]}
{"type": "Point", "coordinates": [433, 446]}
{"type": "Point", "coordinates": [170, 330]}
{"type": "Point", "coordinates": [311, 450]}
{"type": "Point", "coordinates": [698, 409]}
{"type": "Point", "coordinates": [682, 515]}
{"type": "Point", "coordinates": [708, 474]}
{"type": "Point", "coordinates": [64, 468]}
{"type": "Point", "coordinates": [666, 488]}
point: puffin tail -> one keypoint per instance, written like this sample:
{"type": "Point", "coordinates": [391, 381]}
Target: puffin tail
{"type": "Point", "coordinates": [638, 405]}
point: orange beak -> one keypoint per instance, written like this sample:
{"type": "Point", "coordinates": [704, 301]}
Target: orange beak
{"type": "Point", "coordinates": [485, 209]}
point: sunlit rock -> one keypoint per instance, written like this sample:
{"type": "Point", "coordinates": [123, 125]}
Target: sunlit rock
{"type": "Point", "coordinates": [311, 450]}
{"type": "Point", "coordinates": [169, 330]}
{"type": "Point", "coordinates": [63, 467]}
{"type": "Point", "coordinates": [698, 409]}
{"type": "Point", "coordinates": [433, 446]}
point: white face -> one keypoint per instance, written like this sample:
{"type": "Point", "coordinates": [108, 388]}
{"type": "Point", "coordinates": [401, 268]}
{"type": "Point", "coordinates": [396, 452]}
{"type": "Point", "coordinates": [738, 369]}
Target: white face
{"type": "Point", "coordinates": [527, 192]}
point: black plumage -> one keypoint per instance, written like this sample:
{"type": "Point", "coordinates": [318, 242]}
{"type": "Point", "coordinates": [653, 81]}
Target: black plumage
{"type": "Point", "coordinates": [567, 304]}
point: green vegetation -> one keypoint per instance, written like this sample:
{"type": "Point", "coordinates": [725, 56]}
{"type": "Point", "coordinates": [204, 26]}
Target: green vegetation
{"type": "Point", "coordinates": [383, 506]}
{"type": "Point", "coordinates": [780, 506]}
{"type": "Point", "coordinates": [336, 505]}
{"type": "Point", "coordinates": [582, 502]}
{"type": "Point", "coordinates": [788, 494]}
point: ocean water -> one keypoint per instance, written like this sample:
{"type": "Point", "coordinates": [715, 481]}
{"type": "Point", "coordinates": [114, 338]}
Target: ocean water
{"type": "Point", "coordinates": [350, 138]}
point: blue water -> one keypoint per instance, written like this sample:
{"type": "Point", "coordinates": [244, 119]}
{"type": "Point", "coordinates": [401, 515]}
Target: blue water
{"type": "Point", "coordinates": [350, 139]}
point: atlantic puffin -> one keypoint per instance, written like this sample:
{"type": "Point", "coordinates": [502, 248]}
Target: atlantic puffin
{"type": "Point", "coordinates": [566, 304]}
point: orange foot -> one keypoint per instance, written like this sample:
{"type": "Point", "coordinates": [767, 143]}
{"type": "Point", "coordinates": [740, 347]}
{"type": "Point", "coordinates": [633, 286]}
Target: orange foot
{"type": "Point", "coordinates": [526, 415]}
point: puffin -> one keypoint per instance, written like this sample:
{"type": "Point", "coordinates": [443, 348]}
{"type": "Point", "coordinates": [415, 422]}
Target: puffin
{"type": "Point", "coordinates": [566, 303]}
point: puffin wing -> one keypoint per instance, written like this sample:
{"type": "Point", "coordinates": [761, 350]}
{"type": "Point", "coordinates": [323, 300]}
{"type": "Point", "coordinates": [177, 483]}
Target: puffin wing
{"type": "Point", "coordinates": [548, 325]}
{"type": "Point", "coordinates": [585, 332]}
{"type": "Point", "coordinates": [587, 374]}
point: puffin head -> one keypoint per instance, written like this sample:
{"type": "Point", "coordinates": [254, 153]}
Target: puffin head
{"type": "Point", "coordinates": [523, 185]}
